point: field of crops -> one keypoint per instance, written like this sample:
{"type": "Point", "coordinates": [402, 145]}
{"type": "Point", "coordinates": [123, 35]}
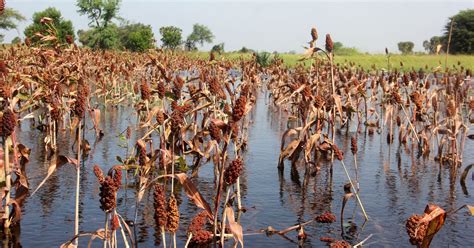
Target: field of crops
{"type": "Point", "coordinates": [121, 149]}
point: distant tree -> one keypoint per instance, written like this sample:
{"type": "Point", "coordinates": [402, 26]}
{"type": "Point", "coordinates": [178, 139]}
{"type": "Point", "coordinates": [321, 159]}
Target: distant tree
{"type": "Point", "coordinates": [101, 38]}
{"type": "Point", "coordinates": [462, 37]}
{"type": "Point", "coordinates": [219, 48]}
{"type": "Point", "coordinates": [406, 47]}
{"type": "Point", "coordinates": [16, 40]}
{"type": "Point", "coordinates": [63, 27]}
{"type": "Point", "coordinates": [9, 19]}
{"type": "Point", "coordinates": [189, 45]}
{"type": "Point", "coordinates": [427, 46]}
{"type": "Point", "coordinates": [431, 45]}
{"type": "Point", "coordinates": [171, 37]}
{"type": "Point", "coordinates": [246, 50]}
{"type": "Point", "coordinates": [200, 35]}
{"type": "Point", "coordinates": [137, 37]}
{"type": "Point", "coordinates": [100, 12]}
{"type": "Point", "coordinates": [337, 46]}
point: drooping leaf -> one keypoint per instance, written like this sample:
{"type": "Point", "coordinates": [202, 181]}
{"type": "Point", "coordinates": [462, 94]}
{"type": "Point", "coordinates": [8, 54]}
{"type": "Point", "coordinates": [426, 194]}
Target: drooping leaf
{"type": "Point", "coordinates": [55, 163]}
{"type": "Point", "coordinates": [193, 194]}
{"type": "Point", "coordinates": [435, 216]}
{"type": "Point", "coordinates": [234, 227]}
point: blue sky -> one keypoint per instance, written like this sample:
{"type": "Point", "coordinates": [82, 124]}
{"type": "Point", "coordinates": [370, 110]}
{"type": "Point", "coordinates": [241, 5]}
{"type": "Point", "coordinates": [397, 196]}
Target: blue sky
{"type": "Point", "coordinates": [279, 25]}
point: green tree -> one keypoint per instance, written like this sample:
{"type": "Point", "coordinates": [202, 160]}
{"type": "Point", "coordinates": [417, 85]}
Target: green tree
{"type": "Point", "coordinates": [337, 46]}
{"type": "Point", "coordinates": [431, 45]}
{"type": "Point", "coordinates": [406, 47]}
{"type": "Point", "coordinates": [137, 37]}
{"type": "Point", "coordinates": [200, 35]}
{"type": "Point", "coordinates": [462, 37]}
{"type": "Point", "coordinates": [100, 12]}
{"type": "Point", "coordinates": [171, 37]}
{"type": "Point", "coordinates": [101, 38]}
{"type": "Point", "coordinates": [16, 40]}
{"type": "Point", "coordinates": [9, 19]}
{"type": "Point", "coordinates": [219, 48]}
{"type": "Point", "coordinates": [63, 27]}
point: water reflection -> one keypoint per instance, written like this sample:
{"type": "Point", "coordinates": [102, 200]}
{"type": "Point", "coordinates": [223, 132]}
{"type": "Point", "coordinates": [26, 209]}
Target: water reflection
{"type": "Point", "coordinates": [395, 183]}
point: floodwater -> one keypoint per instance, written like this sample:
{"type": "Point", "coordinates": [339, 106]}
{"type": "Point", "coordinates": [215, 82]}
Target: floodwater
{"type": "Point", "coordinates": [394, 184]}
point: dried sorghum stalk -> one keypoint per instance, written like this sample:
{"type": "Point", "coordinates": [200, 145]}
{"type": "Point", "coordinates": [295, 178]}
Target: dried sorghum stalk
{"type": "Point", "coordinates": [7, 123]}
{"type": "Point", "coordinates": [161, 215]}
{"type": "Point", "coordinates": [215, 132]}
{"type": "Point", "coordinates": [319, 102]}
{"type": "Point", "coordinates": [353, 145]}
{"type": "Point", "coordinates": [239, 108]}
{"type": "Point", "coordinates": [415, 229]}
{"type": "Point", "coordinates": [160, 117]}
{"type": "Point", "coordinates": [145, 90]}
{"type": "Point", "coordinates": [233, 171]}
{"type": "Point", "coordinates": [197, 223]}
{"type": "Point", "coordinates": [451, 109]}
{"type": "Point", "coordinates": [172, 223]}
{"type": "Point", "coordinates": [161, 89]}
{"type": "Point", "coordinates": [326, 217]}
{"type": "Point", "coordinates": [340, 244]}
{"type": "Point", "coordinates": [178, 86]}
{"type": "Point", "coordinates": [329, 43]}
{"type": "Point", "coordinates": [314, 34]}
{"type": "Point", "coordinates": [337, 152]}
{"type": "Point", "coordinates": [202, 237]}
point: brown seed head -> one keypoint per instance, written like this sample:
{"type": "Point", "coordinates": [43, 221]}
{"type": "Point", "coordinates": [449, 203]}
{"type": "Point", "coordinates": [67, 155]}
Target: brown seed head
{"type": "Point", "coordinates": [416, 229]}
{"type": "Point", "coordinates": [160, 117]}
{"type": "Point", "coordinates": [340, 244]}
{"type": "Point", "coordinates": [353, 145]}
{"type": "Point", "coordinates": [197, 223]}
{"type": "Point", "coordinates": [314, 34]}
{"type": "Point", "coordinates": [329, 43]}
{"type": "Point", "coordinates": [239, 108]}
{"type": "Point", "coordinates": [108, 190]}
{"type": "Point", "coordinates": [451, 109]}
{"type": "Point", "coordinates": [99, 174]}
{"type": "Point", "coordinates": [202, 237]}
{"type": "Point", "coordinates": [161, 89]}
{"type": "Point", "coordinates": [145, 90]}
{"type": "Point", "coordinates": [7, 123]}
{"type": "Point", "coordinates": [215, 132]}
{"type": "Point", "coordinates": [173, 215]}
{"type": "Point", "coordinates": [161, 215]}
{"type": "Point", "coordinates": [338, 153]}
{"type": "Point", "coordinates": [326, 217]}
{"type": "Point", "coordinates": [233, 171]}
{"type": "Point", "coordinates": [397, 98]}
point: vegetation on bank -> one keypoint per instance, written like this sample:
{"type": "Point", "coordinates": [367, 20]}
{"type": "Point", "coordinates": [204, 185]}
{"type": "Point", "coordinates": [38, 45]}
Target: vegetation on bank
{"type": "Point", "coordinates": [366, 61]}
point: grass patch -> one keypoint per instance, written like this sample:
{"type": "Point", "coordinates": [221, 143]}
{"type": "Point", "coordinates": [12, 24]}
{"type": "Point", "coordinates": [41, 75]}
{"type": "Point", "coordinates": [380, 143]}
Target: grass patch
{"type": "Point", "coordinates": [367, 61]}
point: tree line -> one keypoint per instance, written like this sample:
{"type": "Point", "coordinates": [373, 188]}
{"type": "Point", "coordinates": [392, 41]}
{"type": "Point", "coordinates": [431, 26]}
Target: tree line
{"type": "Point", "coordinates": [107, 30]}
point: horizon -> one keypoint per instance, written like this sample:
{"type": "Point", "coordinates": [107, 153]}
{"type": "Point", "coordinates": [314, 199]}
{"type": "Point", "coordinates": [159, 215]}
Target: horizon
{"type": "Point", "coordinates": [281, 26]}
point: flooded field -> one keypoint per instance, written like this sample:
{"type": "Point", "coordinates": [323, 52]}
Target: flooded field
{"type": "Point", "coordinates": [395, 184]}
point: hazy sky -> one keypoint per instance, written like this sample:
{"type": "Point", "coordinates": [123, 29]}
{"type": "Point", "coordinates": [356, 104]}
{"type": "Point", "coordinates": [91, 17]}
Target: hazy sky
{"type": "Point", "coordinates": [279, 25]}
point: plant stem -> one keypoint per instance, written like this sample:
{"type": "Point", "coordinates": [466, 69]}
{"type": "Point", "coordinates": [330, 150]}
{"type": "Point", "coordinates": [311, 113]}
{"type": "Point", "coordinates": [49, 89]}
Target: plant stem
{"type": "Point", "coordinates": [106, 229]}
{"type": "Point", "coordinates": [190, 236]}
{"type": "Point", "coordinates": [78, 180]}
{"type": "Point", "coordinates": [355, 191]}
{"type": "Point", "coordinates": [6, 166]}
{"type": "Point", "coordinates": [224, 216]}
{"type": "Point", "coordinates": [163, 236]}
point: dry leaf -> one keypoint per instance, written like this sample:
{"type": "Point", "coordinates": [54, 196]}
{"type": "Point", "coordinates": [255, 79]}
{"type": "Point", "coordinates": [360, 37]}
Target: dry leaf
{"type": "Point", "coordinates": [234, 227]}
{"type": "Point", "coordinates": [193, 194]}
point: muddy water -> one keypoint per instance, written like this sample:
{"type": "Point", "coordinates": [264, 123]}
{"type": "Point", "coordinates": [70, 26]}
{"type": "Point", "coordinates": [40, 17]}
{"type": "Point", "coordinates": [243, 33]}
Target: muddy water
{"type": "Point", "coordinates": [394, 184]}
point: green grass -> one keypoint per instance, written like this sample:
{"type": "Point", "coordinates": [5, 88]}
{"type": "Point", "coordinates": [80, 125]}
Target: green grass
{"type": "Point", "coordinates": [366, 60]}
